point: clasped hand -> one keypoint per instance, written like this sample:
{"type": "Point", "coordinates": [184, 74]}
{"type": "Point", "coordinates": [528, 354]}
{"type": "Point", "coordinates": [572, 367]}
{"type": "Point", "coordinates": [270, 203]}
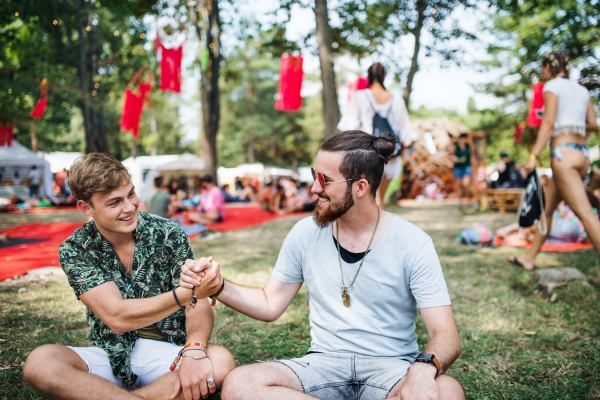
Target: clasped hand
{"type": "Point", "coordinates": [204, 274]}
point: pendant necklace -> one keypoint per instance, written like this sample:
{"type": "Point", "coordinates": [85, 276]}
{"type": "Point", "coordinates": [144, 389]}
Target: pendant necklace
{"type": "Point", "coordinates": [345, 295]}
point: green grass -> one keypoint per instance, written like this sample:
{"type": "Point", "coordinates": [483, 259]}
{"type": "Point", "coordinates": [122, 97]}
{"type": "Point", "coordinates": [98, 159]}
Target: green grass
{"type": "Point", "coordinates": [516, 343]}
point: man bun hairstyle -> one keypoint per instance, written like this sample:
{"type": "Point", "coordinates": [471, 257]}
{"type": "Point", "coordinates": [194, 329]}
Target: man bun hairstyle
{"type": "Point", "coordinates": [365, 155]}
{"type": "Point", "coordinates": [376, 73]}
{"type": "Point", "coordinates": [96, 173]}
{"type": "Point", "coordinates": [559, 62]}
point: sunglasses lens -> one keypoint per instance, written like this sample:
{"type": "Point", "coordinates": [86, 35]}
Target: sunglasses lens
{"type": "Point", "coordinates": [312, 170]}
{"type": "Point", "coordinates": [321, 180]}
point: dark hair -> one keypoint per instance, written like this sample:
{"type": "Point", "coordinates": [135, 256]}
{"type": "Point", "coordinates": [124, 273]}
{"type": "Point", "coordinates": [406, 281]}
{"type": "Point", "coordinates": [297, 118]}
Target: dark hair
{"type": "Point", "coordinates": [365, 155]}
{"type": "Point", "coordinates": [158, 181]}
{"type": "Point", "coordinates": [559, 62]}
{"type": "Point", "coordinates": [207, 179]}
{"type": "Point", "coordinates": [376, 72]}
{"type": "Point", "coordinates": [464, 134]}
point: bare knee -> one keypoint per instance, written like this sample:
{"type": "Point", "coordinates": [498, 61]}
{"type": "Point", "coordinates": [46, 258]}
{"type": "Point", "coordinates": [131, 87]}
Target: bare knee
{"type": "Point", "coordinates": [236, 383]}
{"type": "Point", "coordinates": [449, 388]}
{"type": "Point", "coordinates": [42, 361]}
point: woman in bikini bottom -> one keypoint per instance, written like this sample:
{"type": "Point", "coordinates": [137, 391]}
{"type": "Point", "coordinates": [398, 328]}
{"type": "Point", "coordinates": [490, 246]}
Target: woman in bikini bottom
{"type": "Point", "coordinates": [568, 117]}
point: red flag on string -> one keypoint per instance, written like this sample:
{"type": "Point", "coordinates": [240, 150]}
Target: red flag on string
{"type": "Point", "coordinates": [290, 84]}
{"type": "Point", "coordinates": [6, 135]}
{"type": "Point", "coordinates": [170, 69]}
{"type": "Point", "coordinates": [536, 108]}
{"type": "Point", "coordinates": [40, 108]}
{"type": "Point", "coordinates": [132, 112]}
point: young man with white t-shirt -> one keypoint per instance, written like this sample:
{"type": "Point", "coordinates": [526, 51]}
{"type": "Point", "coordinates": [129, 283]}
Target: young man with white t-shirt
{"type": "Point", "coordinates": [363, 305]}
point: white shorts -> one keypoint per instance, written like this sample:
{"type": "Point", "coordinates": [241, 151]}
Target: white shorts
{"type": "Point", "coordinates": [150, 359]}
{"type": "Point", "coordinates": [393, 168]}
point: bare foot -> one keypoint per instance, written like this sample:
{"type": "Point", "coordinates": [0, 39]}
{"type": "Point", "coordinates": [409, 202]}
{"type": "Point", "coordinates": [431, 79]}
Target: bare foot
{"type": "Point", "coordinates": [519, 262]}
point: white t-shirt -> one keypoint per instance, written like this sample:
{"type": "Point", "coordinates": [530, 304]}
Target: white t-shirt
{"type": "Point", "coordinates": [360, 113]}
{"type": "Point", "coordinates": [34, 177]}
{"type": "Point", "coordinates": [400, 273]}
{"type": "Point", "coordinates": [573, 100]}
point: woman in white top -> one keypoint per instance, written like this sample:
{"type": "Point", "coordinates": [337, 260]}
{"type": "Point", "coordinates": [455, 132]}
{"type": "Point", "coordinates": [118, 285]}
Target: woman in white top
{"type": "Point", "coordinates": [568, 117]}
{"type": "Point", "coordinates": [360, 113]}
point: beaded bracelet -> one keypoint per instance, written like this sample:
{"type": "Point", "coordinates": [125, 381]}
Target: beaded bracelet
{"type": "Point", "coordinates": [189, 346]}
{"type": "Point", "coordinates": [214, 296]}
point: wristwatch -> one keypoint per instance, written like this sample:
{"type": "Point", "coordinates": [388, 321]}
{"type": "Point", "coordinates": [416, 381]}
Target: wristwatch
{"type": "Point", "coordinates": [430, 359]}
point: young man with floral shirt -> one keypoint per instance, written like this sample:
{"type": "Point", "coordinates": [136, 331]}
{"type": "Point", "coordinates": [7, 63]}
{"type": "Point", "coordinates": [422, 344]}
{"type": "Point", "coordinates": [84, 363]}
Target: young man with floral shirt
{"type": "Point", "coordinates": [124, 265]}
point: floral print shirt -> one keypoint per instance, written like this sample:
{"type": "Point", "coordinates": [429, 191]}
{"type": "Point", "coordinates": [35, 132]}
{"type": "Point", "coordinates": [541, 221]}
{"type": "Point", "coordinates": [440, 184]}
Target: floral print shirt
{"type": "Point", "coordinates": [161, 248]}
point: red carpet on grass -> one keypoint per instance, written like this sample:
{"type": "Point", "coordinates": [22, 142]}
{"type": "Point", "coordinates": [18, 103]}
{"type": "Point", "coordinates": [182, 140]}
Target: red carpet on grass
{"type": "Point", "coordinates": [237, 218]}
{"type": "Point", "coordinates": [17, 260]}
{"type": "Point", "coordinates": [546, 246]}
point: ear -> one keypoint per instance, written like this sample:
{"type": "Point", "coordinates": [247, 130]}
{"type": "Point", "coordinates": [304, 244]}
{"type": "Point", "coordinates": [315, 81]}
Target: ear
{"type": "Point", "coordinates": [363, 188]}
{"type": "Point", "coordinates": [85, 208]}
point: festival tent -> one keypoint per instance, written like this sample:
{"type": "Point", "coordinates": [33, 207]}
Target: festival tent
{"type": "Point", "coordinates": [187, 165]}
{"type": "Point", "coordinates": [143, 171]}
{"type": "Point", "coordinates": [60, 160]}
{"type": "Point", "coordinates": [19, 158]}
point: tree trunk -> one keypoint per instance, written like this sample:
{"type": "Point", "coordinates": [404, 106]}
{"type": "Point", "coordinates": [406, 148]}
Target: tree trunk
{"type": "Point", "coordinates": [93, 118]}
{"type": "Point", "coordinates": [414, 66]}
{"type": "Point", "coordinates": [210, 31]}
{"type": "Point", "coordinates": [331, 110]}
{"type": "Point", "coordinates": [250, 111]}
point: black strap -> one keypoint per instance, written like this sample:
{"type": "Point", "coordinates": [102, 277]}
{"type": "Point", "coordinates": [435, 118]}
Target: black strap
{"type": "Point", "coordinates": [177, 300]}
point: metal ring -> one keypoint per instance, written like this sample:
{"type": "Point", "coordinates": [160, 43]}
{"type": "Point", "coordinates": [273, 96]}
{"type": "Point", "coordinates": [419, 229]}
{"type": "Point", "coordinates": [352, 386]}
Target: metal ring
{"type": "Point", "coordinates": [210, 381]}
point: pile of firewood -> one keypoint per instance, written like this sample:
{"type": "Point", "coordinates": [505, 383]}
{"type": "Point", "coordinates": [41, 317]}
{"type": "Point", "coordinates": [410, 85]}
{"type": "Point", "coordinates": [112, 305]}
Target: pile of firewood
{"type": "Point", "coordinates": [420, 164]}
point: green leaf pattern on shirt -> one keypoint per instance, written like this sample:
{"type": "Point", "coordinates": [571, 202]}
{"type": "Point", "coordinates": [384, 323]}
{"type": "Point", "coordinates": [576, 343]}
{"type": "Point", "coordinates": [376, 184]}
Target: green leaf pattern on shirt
{"type": "Point", "coordinates": [161, 247]}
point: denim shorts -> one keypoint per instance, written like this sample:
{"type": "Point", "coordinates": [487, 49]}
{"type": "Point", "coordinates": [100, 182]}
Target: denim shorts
{"type": "Point", "coordinates": [347, 376]}
{"type": "Point", "coordinates": [461, 172]}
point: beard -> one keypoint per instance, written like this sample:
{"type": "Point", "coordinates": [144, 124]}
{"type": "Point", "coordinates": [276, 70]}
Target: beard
{"type": "Point", "coordinates": [325, 216]}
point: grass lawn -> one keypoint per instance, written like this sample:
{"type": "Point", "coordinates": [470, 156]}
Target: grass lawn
{"type": "Point", "coordinates": [516, 344]}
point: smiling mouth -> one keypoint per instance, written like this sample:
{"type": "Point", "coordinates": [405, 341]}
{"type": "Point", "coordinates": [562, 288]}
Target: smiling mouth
{"type": "Point", "coordinates": [126, 219]}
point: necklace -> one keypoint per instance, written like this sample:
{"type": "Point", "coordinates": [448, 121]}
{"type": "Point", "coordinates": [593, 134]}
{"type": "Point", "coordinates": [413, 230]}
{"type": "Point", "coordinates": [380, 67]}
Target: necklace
{"type": "Point", "coordinates": [345, 295]}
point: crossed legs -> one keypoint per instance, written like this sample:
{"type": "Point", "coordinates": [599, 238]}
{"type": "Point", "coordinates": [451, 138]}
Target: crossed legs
{"type": "Point", "coordinates": [272, 380]}
{"type": "Point", "coordinates": [57, 372]}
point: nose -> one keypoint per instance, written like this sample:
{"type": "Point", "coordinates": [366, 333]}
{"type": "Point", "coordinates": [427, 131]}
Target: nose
{"type": "Point", "coordinates": [129, 206]}
{"type": "Point", "coordinates": [316, 187]}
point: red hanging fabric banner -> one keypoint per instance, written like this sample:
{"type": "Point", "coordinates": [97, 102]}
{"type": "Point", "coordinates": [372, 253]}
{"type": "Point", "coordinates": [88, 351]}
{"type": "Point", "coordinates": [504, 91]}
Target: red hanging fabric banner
{"type": "Point", "coordinates": [6, 135]}
{"type": "Point", "coordinates": [40, 108]}
{"type": "Point", "coordinates": [132, 112]}
{"type": "Point", "coordinates": [145, 90]}
{"type": "Point", "coordinates": [290, 84]}
{"type": "Point", "coordinates": [519, 132]}
{"type": "Point", "coordinates": [353, 87]}
{"type": "Point", "coordinates": [170, 69]}
{"type": "Point", "coordinates": [536, 108]}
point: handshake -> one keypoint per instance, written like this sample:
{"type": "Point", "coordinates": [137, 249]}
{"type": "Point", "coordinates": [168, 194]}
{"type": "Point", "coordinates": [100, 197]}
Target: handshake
{"type": "Point", "coordinates": [203, 274]}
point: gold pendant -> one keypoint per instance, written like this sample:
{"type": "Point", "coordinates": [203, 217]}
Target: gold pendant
{"type": "Point", "coordinates": [345, 298]}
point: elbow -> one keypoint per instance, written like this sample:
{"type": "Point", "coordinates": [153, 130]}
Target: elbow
{"type": "Point", "coordinates": [118, 327]}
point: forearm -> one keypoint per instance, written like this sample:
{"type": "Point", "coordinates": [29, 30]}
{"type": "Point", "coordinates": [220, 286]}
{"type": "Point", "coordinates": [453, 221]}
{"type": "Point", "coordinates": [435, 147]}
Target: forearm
{"type": "Point", "coordinates": [250, 301]}
{"type": "Point", "coordinates": [131, 314]}
{"type": "Point", "coordinates": [199, 322]}
{"type": "Point", "coordinates": [446, 347]}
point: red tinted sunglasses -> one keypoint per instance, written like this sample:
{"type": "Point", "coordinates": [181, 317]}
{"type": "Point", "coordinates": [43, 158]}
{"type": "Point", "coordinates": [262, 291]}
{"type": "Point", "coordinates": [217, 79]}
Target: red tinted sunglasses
{"type": "Point", "coordinates": [319, 176]}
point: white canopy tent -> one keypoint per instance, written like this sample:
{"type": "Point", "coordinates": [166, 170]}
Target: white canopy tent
{"type": "Point", "coordinates": [60, 160]}
{"type": "Point", "coordinates": [21, 159]}
{"type": "Point", "coordinates": [143, 171]}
